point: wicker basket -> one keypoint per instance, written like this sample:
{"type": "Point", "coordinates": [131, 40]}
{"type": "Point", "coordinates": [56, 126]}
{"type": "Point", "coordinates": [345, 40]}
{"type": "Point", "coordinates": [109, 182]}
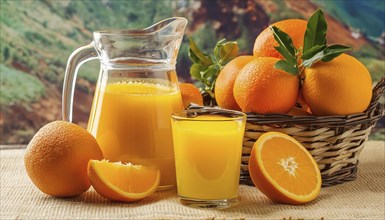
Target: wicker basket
{"type": "Point", "coordinates": [334, 141]}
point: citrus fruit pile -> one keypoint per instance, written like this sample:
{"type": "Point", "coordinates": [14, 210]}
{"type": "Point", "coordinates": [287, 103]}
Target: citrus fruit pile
{"type": "Point", "coordinates": [64, 160]}
{"type": "Point", "coordinates": [292, 71]}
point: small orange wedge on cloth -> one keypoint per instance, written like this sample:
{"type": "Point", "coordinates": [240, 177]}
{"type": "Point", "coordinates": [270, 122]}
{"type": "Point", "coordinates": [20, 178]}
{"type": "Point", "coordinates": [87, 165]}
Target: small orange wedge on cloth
{"type": "Point", "coordinates": [282, 169]}
{"type": "Point", "coordinates": [122, 182]}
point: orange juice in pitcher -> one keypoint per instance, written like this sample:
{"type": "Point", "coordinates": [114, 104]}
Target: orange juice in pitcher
{"type": "Point", "coordinates": [132, 124]}
{"type": "Point", "coordinates": [136, 93]}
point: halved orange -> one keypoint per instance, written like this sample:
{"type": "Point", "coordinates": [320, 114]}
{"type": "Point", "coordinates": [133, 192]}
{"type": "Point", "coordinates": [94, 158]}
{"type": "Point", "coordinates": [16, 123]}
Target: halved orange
{"type": "Point", "coordinates": [282, 169]}
{"type": "Point", "coordinates": [122, 182]}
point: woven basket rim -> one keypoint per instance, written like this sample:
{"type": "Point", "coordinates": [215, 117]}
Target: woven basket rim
{"type": "Point", "coordinates": [374, 112]}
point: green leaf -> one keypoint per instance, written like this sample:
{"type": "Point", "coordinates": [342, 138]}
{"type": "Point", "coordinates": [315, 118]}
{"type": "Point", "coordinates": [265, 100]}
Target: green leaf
{"type": "Point", "coordinates": [217, 48]}
{"type": "Point", "coordinates": [197, 56]}
{"type": "Point", "coordinates": [334, 51]}
{"type": "Point", "coordinates": [194, 58]}
{"type": "Point", "coordinates": [313, 51]}
{"type": "Point", "coordinates": [228, 51]}
{"type": "Point", "coordinates": [286, 47]}
{"type": "Point", "coordinates": [315, 33]}
{"type": "Point", "coordinates": [195, 71]}
{"type": "Point", "coordinates": [314, 47]}
{"type": "Point", "coordinates": [211, 72]}
{"type": "Point", "coordinates": [326, 55]}
{"type": "Point", "coordinates": [309, 62]}
{"type": "Point", "coordinates": [225, 51]}
{"type": "Point", "coordinates": [287, 50]}
{"type": "Point", "coordinates": [285, 66]}
{"type": "Point", "coordinates": [205, 69]}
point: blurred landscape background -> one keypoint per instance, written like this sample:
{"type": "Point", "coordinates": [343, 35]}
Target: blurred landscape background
{"type": "Point", "coordinates": [37, 37]}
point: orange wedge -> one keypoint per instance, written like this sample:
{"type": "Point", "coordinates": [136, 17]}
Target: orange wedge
{"type": "Point", "coordinates": [282, 169]}
{"type": "Point", "coordinates": [122, 182]}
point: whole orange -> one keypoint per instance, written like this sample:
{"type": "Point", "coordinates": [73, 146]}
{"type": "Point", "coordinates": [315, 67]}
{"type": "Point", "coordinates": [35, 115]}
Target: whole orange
{"type": "Point", "coordinates": [261, 88]}
{"type": "Point", "coordinates": [265, 42]}
{"type": "Point", "coordinates": [57, 157]}
{"type": "Point", "coordinates": [339, 87]}
{"type": "Point", "coordinates": [190, 94]}
{"type": "Point", "coordinates": [225, 82]}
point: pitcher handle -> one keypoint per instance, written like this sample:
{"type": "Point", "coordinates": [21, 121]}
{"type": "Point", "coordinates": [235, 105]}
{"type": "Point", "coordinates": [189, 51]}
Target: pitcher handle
{"type": "Point", "coordinates": [76, 59]}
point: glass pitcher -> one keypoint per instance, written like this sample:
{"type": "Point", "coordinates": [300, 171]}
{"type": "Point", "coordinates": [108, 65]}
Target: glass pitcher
{"type": "Point", "coordinates": [136, 92]}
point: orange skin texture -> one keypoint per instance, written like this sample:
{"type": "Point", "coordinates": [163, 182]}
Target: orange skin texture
{"type": "Point", "coordinates": [265, 42]}
{"type": "Point", "coordinates": [225, 82]}
{"type": "Point", "coordinates": [340, 87]}
{"type": "Point", "coordinates": [190, 94]}
{"type": "Point", "coordinates": [260, 88]}
{"type": "Point", "coordinates": [56, 159]}
{"type": "Point", "coordinates": [104, 190]}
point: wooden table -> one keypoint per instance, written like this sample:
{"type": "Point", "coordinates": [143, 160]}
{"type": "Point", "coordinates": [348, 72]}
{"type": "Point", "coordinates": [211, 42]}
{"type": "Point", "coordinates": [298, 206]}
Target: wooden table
{"type": "Point", "coordinates": [362, 198]}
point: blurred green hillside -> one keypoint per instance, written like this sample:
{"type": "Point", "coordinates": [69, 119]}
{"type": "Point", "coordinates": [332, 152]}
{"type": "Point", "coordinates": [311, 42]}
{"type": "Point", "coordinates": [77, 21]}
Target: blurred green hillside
{"type": "Point", "coordinates": [365, 16]}
{"type": "Point", "coordinates": [38, 36]}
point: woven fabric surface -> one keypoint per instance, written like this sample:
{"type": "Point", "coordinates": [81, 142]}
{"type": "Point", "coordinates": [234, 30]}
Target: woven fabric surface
{"type": "Point", "coordinates": [363, 198]}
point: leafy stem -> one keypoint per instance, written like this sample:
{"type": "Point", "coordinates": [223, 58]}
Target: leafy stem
{"type": "Point", "coordinates": [206, 68]}
{"type": "Point", "coordinates": [314, 46]}
{"type": "Point", "coordinates": [287, 50]}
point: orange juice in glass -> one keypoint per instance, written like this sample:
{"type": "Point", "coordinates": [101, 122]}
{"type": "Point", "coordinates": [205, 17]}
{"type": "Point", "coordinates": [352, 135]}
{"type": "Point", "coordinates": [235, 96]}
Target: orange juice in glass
{"type": "Point", "coordinates": [208, 148]}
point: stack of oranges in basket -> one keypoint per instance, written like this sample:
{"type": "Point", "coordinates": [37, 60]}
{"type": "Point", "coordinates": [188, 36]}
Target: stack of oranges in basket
{"type": "Point", "coordinates": [258, 83]}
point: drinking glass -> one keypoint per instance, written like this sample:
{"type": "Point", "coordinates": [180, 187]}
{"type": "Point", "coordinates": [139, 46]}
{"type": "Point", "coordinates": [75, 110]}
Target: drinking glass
{"type": "Point", "coordinates": [208, 148]}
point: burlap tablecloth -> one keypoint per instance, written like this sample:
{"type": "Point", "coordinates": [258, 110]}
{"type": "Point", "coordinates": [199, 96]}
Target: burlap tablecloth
{"type": "Point", "coordinates": [363, 198]}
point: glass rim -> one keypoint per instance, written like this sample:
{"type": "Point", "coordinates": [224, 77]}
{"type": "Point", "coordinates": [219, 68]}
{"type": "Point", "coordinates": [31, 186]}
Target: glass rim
{"type": "Point", "coordinates": [129, 33]}
{"type": "Point", "coordinates": [181, 115]}
{"type": "Point", "coordinates": [144, 32]}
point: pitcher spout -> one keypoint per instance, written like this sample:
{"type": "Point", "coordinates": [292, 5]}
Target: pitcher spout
{"type": "Point", "coordinates": [170, 26]}
{"type": "Point", "coordinates": [158, 43]}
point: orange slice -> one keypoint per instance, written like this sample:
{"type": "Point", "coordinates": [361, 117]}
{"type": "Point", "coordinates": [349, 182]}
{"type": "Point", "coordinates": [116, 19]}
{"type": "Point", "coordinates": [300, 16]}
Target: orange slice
{"type": "Point", "coordinates": [122, 182]}
{"type": "Point", "coordinates": [282, 169]}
